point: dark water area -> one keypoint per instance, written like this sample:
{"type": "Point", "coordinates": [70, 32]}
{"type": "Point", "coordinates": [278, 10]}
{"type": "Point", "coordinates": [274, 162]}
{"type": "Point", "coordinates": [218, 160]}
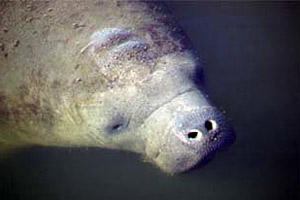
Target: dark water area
{"type": "Point", "coordinates": [251, 51]}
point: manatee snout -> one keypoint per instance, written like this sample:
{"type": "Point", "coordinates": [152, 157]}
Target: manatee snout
{"type": "Point", "coordinates": [185, 132]}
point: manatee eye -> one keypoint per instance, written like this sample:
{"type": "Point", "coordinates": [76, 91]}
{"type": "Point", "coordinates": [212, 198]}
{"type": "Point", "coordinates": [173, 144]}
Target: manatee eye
{"type": "Point", "coordinates": [194, 134]}
{"type": "Point", "coordinates": [210, 125]}
{"type": "Point", "coordinates": [117, 126]}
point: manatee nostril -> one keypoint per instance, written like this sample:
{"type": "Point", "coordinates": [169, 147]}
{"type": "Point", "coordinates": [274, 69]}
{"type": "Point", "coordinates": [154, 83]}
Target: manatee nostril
{"type": "Point", "coordinates": [192, 135]}
{"type": "Point", "coordinates": [210, 125]}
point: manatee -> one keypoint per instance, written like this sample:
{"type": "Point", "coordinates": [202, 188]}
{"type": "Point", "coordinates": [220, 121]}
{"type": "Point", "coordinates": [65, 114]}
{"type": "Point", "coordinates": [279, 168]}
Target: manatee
{"type": "Point", "coordinates": [108, 74]}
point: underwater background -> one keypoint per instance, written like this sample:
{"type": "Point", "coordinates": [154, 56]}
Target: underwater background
{"type": "Point", "coordinates": [251, 54]}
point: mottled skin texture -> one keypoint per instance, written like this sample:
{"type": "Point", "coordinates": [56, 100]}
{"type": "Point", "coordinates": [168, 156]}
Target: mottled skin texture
{"type": "Point", "coordinates": [109, 74]}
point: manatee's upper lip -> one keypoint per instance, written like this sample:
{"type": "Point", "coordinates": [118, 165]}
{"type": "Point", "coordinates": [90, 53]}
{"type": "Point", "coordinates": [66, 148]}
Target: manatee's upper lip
{"type": "Point", "coordinates": [214, 136]}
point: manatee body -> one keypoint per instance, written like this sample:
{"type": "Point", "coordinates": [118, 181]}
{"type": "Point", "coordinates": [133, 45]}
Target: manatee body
{"type": "Point", "coordinates": [117, 75]}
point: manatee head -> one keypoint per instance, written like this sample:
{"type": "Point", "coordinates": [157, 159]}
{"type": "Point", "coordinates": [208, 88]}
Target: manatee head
{"type": "Point", "coordinates": [154, 102]}
{"type": "Point", "coordinates": [185, 132]}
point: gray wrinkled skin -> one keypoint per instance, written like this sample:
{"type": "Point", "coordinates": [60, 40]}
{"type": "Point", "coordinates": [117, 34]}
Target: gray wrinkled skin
{"type": "Point", "coordinates": [117, 75]}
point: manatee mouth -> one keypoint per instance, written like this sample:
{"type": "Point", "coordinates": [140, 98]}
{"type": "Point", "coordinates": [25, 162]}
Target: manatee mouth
{"type": "Point", "coordinates": [187, 131]}
{"type": "Point", "coordinates": [197, 148]}
{"type": "Point", "coordinates": [209, 133]}
{"type": "Point", "coordinates": [210, 146]}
